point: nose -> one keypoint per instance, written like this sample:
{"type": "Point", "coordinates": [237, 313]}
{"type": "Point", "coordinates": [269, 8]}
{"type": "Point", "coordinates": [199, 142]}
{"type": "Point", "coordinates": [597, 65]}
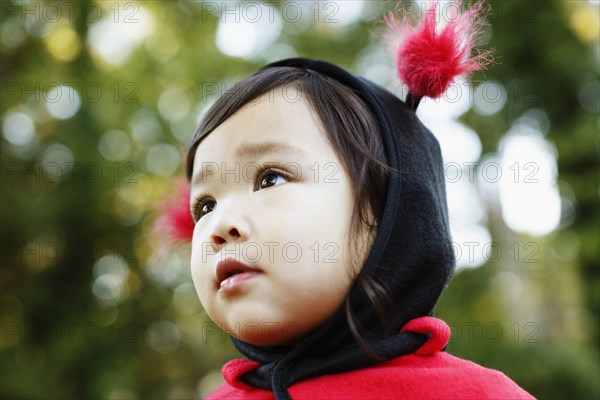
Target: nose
{"type": "Point", "coordinates": [231, 235]}
{"type": "Point", "coordinates": [231, 225]}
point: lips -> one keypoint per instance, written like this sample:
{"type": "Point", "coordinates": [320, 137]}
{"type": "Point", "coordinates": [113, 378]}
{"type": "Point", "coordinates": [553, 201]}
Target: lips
{"type": "Point", "coordinates": [231, 272]}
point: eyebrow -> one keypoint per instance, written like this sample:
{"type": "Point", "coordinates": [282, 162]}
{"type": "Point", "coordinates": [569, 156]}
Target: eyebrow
{"type": "Point", "coordinates": [254, 150]}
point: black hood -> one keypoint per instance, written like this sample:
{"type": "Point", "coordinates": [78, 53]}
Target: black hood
{"type": "Point", "coordinates": [412, 252]}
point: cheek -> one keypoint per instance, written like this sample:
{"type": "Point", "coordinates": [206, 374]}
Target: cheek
{"type": "Point", "coordinates": [317, 217]}
{"type": "Point", "coordinates": [200, 271]}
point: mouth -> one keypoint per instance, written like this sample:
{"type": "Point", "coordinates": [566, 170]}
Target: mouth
{"type": "Point", "coordinates": [230, 273]}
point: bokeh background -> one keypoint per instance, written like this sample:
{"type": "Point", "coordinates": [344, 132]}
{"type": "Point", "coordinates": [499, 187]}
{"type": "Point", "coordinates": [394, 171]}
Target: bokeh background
{"type": "Point", "coordinates": [99, 100]}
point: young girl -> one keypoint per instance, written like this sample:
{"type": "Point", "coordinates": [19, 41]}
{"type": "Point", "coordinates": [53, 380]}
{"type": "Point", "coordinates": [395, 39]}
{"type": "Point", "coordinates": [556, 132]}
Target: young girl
{"type": "Point", "coordinates": [321, 239]}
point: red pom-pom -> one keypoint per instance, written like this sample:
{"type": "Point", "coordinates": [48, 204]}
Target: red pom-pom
{"type": "Point", "coordinates": [429, 58]}
{"type": "Point", "coordinates": [175, 222]}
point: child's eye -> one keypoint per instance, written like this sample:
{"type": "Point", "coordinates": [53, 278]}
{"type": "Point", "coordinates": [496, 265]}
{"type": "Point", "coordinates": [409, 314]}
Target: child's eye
{"type": "Point", "coordinates": [201, 208]}
{"type": "Point", "coordinates": [206, 207]}
{"type": "Point", "coordinates": [271, 177]}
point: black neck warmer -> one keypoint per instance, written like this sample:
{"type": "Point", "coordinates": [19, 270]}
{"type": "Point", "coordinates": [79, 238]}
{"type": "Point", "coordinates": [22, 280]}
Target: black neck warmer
{"type": "Point", "coordinates": [412, 252]}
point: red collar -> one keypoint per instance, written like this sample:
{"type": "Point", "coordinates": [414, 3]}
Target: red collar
{"type": "Point", "coordinates": [437, 330]}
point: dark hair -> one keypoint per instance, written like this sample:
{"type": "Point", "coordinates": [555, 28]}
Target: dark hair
{"type": "Point", "coordinates": [354, 134]}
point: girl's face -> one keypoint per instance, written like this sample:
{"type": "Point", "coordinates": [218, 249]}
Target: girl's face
{"type": "Point", "coordinates": [269, 192]}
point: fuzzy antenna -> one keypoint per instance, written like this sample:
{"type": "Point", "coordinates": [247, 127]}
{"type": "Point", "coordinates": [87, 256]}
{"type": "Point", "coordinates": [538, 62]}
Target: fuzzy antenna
{"type": "Point", "coordinates": [428, 57]}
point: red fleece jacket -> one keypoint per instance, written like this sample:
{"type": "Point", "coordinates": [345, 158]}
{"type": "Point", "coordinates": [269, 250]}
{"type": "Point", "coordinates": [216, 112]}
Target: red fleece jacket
{"type": "Point", "coordinates": [428, 373]}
